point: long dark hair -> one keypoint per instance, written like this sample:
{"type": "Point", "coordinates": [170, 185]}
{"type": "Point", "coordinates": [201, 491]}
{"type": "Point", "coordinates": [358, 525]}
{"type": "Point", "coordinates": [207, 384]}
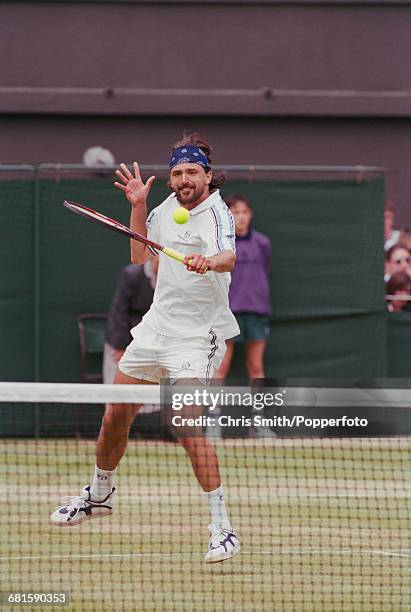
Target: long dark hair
{"type": "Point", "coordinates": [400, 281]}
{"type": "Point", "coordinates": [233, 198]}
{"type": "Point", "coordinates": [194, 138]}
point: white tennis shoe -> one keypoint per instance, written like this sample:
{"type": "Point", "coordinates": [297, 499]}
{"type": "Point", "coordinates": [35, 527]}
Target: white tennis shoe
{"type": "Point", "coordinates": [223, 544]}
{"type": "Point", "coordinates": [77, 509]}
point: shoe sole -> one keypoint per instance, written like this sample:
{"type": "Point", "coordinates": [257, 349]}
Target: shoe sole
{"type": "Point", "coordinates": [82, 520]}
{"type": "Point", "coordinates": [225, 557]}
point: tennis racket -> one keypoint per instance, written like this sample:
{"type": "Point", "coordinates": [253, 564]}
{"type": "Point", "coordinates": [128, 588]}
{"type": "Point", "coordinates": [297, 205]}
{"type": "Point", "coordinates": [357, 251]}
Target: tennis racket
{"type": "Point", "coordinates": [97, 217]}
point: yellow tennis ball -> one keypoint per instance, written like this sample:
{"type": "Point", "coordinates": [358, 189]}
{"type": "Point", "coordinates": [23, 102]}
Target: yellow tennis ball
{"type": "Point", "coordinates": [181, 215]}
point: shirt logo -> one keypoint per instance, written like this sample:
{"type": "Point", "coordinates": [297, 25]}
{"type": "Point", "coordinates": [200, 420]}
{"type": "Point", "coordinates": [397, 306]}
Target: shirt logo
{"type": "Point", "coordinates": [186, 236]}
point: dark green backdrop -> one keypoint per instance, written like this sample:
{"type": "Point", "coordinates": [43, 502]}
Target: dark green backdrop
{"type": "Point", "coordinates": [327, 274]}
{"type": "Point", "coordinates": [399, 344]}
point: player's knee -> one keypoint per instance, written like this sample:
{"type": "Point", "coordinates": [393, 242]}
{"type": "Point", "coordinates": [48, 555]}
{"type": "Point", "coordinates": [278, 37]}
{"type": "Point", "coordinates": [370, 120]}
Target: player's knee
{"type": "Point", "coordinates": [119, 415]}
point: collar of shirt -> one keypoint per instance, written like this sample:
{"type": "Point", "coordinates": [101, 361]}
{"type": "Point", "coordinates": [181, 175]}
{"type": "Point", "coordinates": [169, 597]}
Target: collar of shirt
{"type": "Point", "coordinates": [207, 203]}
{"type": "Point", "coordinates": [246, 237]}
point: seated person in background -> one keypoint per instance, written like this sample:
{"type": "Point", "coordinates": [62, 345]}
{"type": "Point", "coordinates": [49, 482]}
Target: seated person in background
{"type": "Point", "coordinates": [391, 235]}
{"type": "Point", "coordinates": [399, 286]}
{"type": "Point", "coordinates": [131, 300]}
{"type": "Point", "coordinates": [397, 259]}
{"type": "Point", "coordinates": [249, 290]}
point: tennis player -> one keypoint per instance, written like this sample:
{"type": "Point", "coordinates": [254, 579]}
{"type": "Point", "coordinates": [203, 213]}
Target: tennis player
{"type": "Point", "coordinates": [182, 336]}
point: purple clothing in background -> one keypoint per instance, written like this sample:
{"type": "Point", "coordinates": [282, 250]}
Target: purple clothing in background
{"type": "Point", "coordinates": [250, 289]}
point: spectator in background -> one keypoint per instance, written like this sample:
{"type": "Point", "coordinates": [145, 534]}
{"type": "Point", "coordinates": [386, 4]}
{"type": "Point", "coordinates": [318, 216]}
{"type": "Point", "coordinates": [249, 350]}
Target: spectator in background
{"type": "Point", "coordinates": [99, 160]}
{"type": "Point", "coordinates": [405, 238]}
{"type": "Point", "coordinates": [397, 259]}
{"type": "Point", "coordinates": [399, 286]}
{"type": "Point", "coordinates": [391, 235]}
{"type": "Point", "coordinates": [249, 290]}
{"type": "Point", "coordinates": [131, 300]}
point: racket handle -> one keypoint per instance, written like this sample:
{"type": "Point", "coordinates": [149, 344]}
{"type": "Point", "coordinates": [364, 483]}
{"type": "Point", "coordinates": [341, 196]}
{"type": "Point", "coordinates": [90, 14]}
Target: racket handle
{"type": "Point", "coordinates": [176, 255]}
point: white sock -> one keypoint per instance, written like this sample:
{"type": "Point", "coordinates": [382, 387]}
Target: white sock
{"type": "Point", "coordinates": [102, 483]}
{"type": "Point", "coordinates": [217, 507]}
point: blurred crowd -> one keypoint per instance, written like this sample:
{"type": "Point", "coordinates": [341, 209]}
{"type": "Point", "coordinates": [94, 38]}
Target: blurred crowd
{"type": "Point", "coordinates": [397, 276]}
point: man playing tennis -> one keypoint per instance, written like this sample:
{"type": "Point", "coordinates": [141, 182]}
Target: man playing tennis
{"type": "Point", "coordinates": [182, 336]}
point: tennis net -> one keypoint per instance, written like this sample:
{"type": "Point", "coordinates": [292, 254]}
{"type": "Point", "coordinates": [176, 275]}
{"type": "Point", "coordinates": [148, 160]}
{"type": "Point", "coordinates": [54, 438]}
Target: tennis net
{"type": "Point", "coordinates": [324, 522]}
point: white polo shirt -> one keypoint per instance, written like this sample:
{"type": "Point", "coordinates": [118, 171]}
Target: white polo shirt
{"type": "Point", "coordinates": [187, 304]}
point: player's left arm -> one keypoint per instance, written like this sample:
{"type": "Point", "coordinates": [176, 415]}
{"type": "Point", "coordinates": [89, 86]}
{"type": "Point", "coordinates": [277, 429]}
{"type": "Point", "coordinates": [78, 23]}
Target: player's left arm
{"type": "Point", "coordinates": [218, 239]}
{"type": "Point", "coordinates": [221, 262]}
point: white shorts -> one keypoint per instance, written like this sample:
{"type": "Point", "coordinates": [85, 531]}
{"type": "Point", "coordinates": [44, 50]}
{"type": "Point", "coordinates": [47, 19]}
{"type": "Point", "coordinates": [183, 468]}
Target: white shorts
{"type": "Point", "coordinates": [152, 356]}
{"type": "Point", "coordinates": [109, 364]}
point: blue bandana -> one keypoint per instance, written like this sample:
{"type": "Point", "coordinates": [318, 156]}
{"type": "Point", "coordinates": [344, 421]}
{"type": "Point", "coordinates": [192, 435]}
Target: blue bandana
{"type": "Point", "coordinates": [189, 154]}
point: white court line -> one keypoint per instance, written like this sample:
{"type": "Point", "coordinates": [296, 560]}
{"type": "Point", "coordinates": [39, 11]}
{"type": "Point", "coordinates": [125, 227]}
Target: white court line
{"type": "Point", "coordinates": [390, 553]}
{"type": "Point", "coordinates": [289, 551]}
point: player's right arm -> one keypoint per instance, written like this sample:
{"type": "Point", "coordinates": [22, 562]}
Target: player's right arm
{"type": "Point", "coordinates": [136, 193]}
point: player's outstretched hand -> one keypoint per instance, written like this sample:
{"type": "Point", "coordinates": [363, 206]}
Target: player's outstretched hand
{"type": "Point", "coordinates": [134, 189]}
{"type": "Point", "coordinates": [196, 263]}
